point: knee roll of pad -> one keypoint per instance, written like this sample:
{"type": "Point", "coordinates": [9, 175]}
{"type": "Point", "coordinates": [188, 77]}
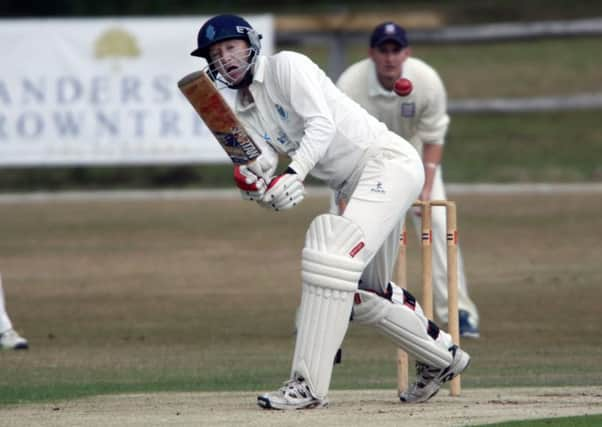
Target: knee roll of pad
{"type": "Point", "coordinates": [330, 271]}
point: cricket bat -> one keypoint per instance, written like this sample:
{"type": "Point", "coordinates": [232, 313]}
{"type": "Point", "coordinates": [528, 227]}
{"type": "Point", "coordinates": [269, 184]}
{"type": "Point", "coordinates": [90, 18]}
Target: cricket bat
{"type": "Point", "coordinates": [209, 103]}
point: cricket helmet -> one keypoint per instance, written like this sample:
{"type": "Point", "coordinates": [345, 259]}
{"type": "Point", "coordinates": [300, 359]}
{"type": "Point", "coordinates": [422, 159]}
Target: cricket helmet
{"type": "Point", "coordinates": [225, 27]}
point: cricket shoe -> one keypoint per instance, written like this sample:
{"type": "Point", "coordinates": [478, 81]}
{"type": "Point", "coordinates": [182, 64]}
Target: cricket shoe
{"type": "Point", "coordinates": [468, 328]}
{"type": "Point", "coordinates": [429, 379]}
{"type": "Point", "coordinates": [11, 340]}
{"type": "Point", "coordinates": [294, 394]}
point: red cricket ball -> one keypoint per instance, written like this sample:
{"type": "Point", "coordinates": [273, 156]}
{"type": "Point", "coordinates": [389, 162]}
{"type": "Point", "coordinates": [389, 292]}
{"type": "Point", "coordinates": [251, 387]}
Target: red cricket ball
{"type": "Point", "coordinates": [403, 87]}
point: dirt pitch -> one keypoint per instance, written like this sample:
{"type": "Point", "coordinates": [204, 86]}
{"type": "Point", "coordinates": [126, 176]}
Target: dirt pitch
{"type": "Point", "coordinates": [131, 295]}
{"type": "Point", "coordinates": [348, 408]}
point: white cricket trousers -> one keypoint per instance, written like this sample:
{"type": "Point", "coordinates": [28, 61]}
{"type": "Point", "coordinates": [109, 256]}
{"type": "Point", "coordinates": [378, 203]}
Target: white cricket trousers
{"type": "Point", "coordinates": [5, 323]}
{"type": "Point", "coordinates": [390, 182]}
{"type": "Point", "coordinates": [380, 270]}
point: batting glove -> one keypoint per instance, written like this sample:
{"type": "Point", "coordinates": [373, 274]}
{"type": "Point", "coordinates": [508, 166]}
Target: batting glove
{"type": "Point", "coordinates": [250, 185]}
{"type": "Point", "coordinates": [284, 192]}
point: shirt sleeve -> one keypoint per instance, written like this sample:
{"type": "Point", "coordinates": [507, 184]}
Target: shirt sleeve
{"type": "Point", "coordinates": [434, 119]}
{"type": "Point", "coordinates": [300, 82]}
{"type": "Point", "coordinates": [343, 81]}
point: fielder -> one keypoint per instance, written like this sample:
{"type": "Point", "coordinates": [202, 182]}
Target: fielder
{"type": "Point", "coordinates": [290, 107]}
{"type": "Point", "coordinates": [421, 118]}
{"type": "Point", "coordinates": [9, 338]}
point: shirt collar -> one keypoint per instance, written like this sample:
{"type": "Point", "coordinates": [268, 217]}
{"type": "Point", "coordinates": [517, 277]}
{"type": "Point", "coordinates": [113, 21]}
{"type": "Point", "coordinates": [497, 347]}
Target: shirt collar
{"type": "Point", "coordinates": [258, 76]}
{"type": "Point", "coordinates": [259, 69]}
{"type": "Point", "coordinates": [374, 87]}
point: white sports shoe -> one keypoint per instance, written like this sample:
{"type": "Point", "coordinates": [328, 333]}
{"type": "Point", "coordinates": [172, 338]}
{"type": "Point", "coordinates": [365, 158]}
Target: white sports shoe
{"type": "Point", "coordinates": [429, 379]}
{"type": "Point", "coordinates": [294, 394]}
{"type": "Point", "coordinates": [11, 340]}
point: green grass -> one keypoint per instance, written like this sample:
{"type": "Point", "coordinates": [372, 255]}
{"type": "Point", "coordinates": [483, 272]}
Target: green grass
{"type": "Point", "coordinates": [534, 147]}
{"type": "Point", "coordinates": [583, 421]}
{"type": "Point", "coordinates": [517, 69]}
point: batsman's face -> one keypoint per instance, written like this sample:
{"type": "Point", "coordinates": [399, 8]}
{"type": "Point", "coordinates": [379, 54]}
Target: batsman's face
{"type": "Point", "coordinates": [231, 59]}
{"type": "Point", "coordinates": [388, 59]}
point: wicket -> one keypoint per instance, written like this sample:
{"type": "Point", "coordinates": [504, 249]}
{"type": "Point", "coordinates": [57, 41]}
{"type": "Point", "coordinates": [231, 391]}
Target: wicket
{"type": "Point", "coordinates": [427, 280]}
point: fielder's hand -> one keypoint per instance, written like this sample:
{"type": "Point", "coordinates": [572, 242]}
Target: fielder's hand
{"type": "Point", "coordinates": [284, 192]}
{"type": "Point", "coordinates": [250, 185]}
{"type": "Point", "coordinates": [425, 196]}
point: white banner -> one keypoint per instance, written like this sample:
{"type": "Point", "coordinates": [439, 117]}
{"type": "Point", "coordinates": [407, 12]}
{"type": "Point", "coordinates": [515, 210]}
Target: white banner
{"type": "Point", "coordinates": [103, 91]}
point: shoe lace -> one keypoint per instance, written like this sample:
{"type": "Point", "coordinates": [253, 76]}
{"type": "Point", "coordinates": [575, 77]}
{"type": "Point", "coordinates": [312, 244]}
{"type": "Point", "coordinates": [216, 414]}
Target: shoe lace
{"type": "Point", "coordinates": [425, 373]}
{"type": "Point", "coordinates": [295, 388]}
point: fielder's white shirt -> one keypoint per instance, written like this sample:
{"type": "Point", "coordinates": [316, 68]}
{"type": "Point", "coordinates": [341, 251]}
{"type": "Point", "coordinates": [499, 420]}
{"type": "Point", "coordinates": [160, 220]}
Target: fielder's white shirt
{"type": "Point", "coordinates": [297, 110]}
{"type": "Point", "coordinates": [420, 117]}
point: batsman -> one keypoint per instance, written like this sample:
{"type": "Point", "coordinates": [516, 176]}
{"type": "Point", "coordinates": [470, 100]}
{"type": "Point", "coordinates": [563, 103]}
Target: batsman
{"type": "Point", "coordinates": [291, 109]}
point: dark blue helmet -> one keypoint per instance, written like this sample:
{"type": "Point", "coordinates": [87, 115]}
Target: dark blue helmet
{"type": "Point", "coordinates": [225, 27]}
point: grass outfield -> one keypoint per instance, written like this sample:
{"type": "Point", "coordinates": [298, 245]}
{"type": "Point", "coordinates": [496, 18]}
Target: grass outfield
{"type": "Point", "coordinates": [584, 421]}
{"type": "Point", "coordinates": [200, 295]}
{"type": "Point", "coordinates": [534, 147]}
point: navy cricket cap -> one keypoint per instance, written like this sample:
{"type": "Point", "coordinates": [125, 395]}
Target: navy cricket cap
{"type": "Point", "coordinates": [388, 32]}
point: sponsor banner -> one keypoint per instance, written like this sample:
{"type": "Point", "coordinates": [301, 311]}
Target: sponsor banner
{"type": "Point", "coordinates": [103, 91]}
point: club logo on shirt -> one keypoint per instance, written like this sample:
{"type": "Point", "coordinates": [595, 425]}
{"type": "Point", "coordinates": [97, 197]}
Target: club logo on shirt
{"type": "Point", "coordinates": [408, 109]}
{"type": "Point", "coordinates": [281, 112]}
{"type": "Point", "coordinates": [282, 138]}
{"type": "Point", "coordinates": [378, 188]}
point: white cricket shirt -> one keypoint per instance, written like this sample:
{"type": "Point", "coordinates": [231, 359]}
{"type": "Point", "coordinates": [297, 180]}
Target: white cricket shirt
{"type": "Point", "coordinates": [421, 117]}
{"type": "Point", "coordinates": [299, 111]}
